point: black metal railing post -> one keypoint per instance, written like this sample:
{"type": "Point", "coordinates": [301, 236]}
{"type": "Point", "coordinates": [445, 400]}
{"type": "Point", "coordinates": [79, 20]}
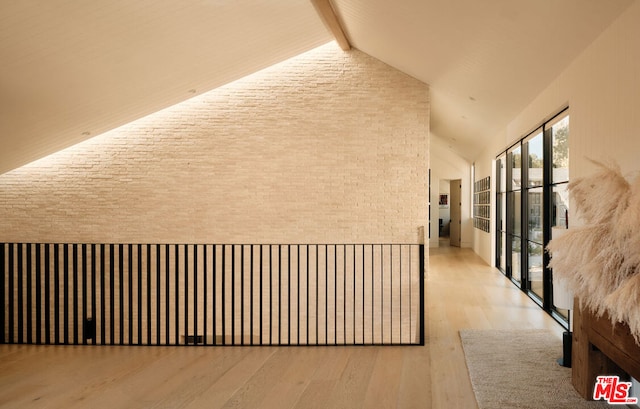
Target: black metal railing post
{"type": "Point", "coordinates": [2, 301]}
{"type": "Point", "coordinates": [108, 294]}
{"type": "Point", "coordinates": [421, 307]}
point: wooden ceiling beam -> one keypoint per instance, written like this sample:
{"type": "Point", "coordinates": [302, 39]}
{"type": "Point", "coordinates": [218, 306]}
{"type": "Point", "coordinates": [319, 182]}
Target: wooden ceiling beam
{"type": "Point", "coordinates": [330, 18]}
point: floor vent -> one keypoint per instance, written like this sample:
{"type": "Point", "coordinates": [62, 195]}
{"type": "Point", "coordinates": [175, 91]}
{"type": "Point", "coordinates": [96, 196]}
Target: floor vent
{"type": "Point", "coordinates": [219, 340]}
{"type": "Point", "coordinates": [193, 339]}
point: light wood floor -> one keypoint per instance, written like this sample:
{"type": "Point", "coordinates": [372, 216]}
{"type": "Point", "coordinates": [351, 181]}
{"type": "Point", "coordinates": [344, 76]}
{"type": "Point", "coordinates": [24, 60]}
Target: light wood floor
{"type": "Point", "coordinates": [462, 292]}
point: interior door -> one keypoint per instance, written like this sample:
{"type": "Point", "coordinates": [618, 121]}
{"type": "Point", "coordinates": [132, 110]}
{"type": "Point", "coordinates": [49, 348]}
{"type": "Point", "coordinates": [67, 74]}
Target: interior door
{"type": "Point", "coordinates": [456, 210]}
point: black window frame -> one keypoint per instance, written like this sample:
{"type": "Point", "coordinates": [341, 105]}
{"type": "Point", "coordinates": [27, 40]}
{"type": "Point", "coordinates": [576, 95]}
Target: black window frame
{"type": "Point", "coordinates": [506, 232]}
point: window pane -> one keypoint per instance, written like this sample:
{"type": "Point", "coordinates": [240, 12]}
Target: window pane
{"type": "Point", "coordinates": [514, 212]}
{"type": "Point", "coordinates": [502, 173]}
{"type": "Point", "coordinates": [516, 256]}
{"type": "Point", "coordinates": [503, 252]}
{"type": "Point", "coordinates": [502, 211]}
{"type": "Point", "coordinates": [516, 168]}
{"type": "Point", "coordinates": [535, 215]}
{"type": "Point", "coordinates": [534, 162]}
{"type": "Point", "coordinates": [560, 149]}
{"type": "Point", "coordinates": [559, 225]}
{"type": "Point", "coordinates": [535, 268]}
{"type": "Point", "coordinates": [560, 210]}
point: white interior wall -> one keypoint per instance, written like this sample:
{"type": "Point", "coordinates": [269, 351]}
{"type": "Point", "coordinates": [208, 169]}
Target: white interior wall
{"type": "Point", "coordinates": [483, 242]}
{"type": "Point", "coordinates": [602, 88]}
{"type": "Point", "coordinates": [447, 165]}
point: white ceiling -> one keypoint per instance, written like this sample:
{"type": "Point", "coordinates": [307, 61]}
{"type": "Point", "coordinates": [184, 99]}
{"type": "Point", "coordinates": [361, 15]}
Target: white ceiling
{"type": "Point", "coordinates": [72, 69]}
{"type": "Point", "coordinates": [484, 60]}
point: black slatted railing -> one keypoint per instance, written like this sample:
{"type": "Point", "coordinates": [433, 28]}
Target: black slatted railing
{"type": "Point", "coordinates": [214, 294]}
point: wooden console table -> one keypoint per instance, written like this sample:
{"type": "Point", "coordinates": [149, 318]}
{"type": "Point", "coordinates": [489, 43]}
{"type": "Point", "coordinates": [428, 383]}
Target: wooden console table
{"type": "Point", "coordinates": [600, 348]}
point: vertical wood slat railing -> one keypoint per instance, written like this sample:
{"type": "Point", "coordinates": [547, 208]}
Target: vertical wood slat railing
{"type": "Point", "coordinates": [212, 294]}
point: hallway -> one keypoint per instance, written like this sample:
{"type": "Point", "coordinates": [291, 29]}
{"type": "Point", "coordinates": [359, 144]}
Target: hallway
{"type": "Point", "coordinates": [463, 292]}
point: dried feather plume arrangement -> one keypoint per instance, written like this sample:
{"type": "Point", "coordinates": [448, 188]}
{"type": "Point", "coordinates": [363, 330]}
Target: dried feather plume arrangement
{"type": "Point", "coordinates": [600, 260]}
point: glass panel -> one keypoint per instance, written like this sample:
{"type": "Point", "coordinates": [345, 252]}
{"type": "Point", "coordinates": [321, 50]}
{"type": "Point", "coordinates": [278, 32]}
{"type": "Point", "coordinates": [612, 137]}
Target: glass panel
{"type": "Point", "coordinates": [516, 257]}
{"type": "Point", "coordinates": [563, 312]}
{"type": "Point", "coordinates": [560, 210]}
{"type": "Point", "coordinates": [503, 252]}
{"type": "Point", "coordinates": [501, 246]}
{"type": "Point", "coordinates": [560, 149]}
{"type": "Point", "coordinates": [502, 211]}
{"type": "Point", "coordinates": [516, 168]}
{"type": "Point", "coordinates": [534, 162]}
{"type": "Point", "coordinates": [560, 198]}
{"type": "Point", "coordinates": [559, 225]}
{"type": "Point", "coordinates": [535, 268]}
{"type": "Point", "coordinates": [515, 214]}
{"type": "Point", "coordinates": [535, 215]}
{"type": "Point", "coordinates": [502, 174]}
{"type": "Point", "coordinates": [562, 298]}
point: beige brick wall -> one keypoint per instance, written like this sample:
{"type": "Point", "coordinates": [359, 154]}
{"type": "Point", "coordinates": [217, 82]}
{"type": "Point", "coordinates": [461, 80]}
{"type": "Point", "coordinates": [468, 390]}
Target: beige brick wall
{"type": "Point", "coordinates": [326, 147]}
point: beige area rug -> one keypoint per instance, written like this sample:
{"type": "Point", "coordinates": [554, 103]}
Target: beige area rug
{"type": "Point", "coordinates": [518, 369]}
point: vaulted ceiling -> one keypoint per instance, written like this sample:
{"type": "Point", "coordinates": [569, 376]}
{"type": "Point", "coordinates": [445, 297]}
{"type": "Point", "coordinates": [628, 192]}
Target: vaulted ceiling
{"type": "Point", "coordinates": [72, 69]}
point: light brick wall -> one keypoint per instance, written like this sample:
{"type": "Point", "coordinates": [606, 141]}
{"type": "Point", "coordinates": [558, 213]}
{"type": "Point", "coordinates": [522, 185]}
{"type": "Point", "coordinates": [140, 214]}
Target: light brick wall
{"type": "Point", "coordinates": [326, 147]}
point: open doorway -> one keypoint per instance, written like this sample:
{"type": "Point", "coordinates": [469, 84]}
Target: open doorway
{"type": "Point", "coordinates": [455, 225]}
{"type": "Point", "coordinates": [449, 213]}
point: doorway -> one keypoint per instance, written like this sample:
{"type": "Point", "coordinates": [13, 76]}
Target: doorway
{"type": "Point", "coordinates": [455, 187]}
{"type": "Point", "coordinates": [449, 213]}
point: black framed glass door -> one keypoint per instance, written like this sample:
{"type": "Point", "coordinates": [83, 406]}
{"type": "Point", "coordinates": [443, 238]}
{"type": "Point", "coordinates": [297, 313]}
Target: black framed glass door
{"type": "Point", "coordinates": [557, 135]}
{"type": "Point", "coordinates": [501, 213]}
{"type": "Point", "coordinates": [532, 205]}
{"type": "Point", "coordinates": [514, 214]}
{"type": "Point", "coordinates": [534, 147]}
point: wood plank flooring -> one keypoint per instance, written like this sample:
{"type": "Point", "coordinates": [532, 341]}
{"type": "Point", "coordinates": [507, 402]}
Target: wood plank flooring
{"type": "Point", "coordinates": [462, 292]}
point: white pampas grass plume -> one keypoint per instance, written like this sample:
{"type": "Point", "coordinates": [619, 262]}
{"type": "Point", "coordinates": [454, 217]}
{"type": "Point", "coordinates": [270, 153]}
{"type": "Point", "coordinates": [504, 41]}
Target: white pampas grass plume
{"type": "Point", "coordinates": [575, 248]}
{"type": "Point", "coordinates": [602, 196]}
{"type": "Point", "coordinates": [623, 305]}
{"type": "Point", "coordinates": [601, 260]}
{"type": "Point", "coordinates": [627, 231]}
{"type": "Point", "coordinates": [587, 257]}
